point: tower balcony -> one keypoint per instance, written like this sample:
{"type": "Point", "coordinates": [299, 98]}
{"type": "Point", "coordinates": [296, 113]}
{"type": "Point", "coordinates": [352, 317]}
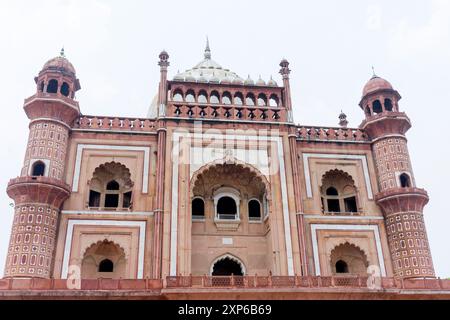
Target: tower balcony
{"type": "Point", "coordinates": [397, 200]}
{"type": "Point", "coordinates": [38, 189]}
{"type": "Point", "coordinates": [386, 123]}
{"type": "Point", "coordinates": [52, 106]}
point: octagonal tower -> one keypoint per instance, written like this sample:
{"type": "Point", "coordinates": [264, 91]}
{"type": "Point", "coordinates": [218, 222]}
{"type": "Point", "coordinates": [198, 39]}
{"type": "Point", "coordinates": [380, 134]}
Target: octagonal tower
{"type": "Point", "coordinates": [400, 200]}
{"type": "Point", "coordinates": [40, 190]}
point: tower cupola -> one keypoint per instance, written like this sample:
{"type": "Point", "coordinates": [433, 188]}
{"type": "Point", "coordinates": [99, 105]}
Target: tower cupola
{"type": "Point", "coordinates": [58, 76]}
{"type": "Point", "coordinates": [379, 96]}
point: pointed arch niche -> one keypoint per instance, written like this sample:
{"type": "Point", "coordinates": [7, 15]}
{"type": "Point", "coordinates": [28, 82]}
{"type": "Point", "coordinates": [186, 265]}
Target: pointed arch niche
{"type": "Point", "coordinates": [229, 188]}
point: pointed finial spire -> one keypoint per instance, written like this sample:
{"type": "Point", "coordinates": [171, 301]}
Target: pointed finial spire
{"type": "Point", "coordinates": [61, 53]}
{"type": "Point", "coordinates": [207, 49]}
{"type": "Point", "coordinates": [343, 120]}
{"type": "Point", "coordinates": [373, 73]}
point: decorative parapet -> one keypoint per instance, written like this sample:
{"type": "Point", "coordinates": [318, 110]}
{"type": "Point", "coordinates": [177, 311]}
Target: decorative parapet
{"type": "Point", "coordinates": [226, 282]}
{"type": "Point", "coordinates": [115, 124]}
{"type": "Point", "coordinates": [226, 112]}
{"type": "Point", "coordinates": [331, 134]}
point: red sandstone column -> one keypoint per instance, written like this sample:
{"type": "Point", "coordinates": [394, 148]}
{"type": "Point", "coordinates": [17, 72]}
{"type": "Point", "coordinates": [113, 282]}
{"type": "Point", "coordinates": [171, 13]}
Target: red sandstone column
{"type": "Point", "coordinates": [284, 71]}
{"type": "Point", "coordinates": [160, 168]}
{"type": "Point", "coordinates": [400, 200]}
{"type": "Point", "coordinates": [40, 190]}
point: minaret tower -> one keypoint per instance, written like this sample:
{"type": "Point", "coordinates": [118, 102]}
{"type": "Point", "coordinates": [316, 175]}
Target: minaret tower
{"type": "Point", "coordinates": [400, 200]}
{"type": "Point", "coordinates": [40, 190]}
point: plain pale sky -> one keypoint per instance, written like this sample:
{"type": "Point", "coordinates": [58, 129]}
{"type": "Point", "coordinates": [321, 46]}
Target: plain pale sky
{"type": "Point", "coordinates": [331, 47]}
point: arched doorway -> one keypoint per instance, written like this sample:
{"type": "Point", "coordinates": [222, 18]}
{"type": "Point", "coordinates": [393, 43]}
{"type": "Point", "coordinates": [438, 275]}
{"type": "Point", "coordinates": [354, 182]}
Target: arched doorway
{"type": "Point", "coordinates": [104, 259]}
{"type": "Point", "coordinates": [348, 258]}
{"type": "Point", "coordinates": [227, 267]}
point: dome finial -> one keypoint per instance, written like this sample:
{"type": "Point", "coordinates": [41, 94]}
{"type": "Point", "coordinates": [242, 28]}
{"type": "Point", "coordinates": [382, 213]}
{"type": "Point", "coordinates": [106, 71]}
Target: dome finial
{"type": "Point", "coordinates": [207, 49]}
{"type": "Point", "coordinates": [373, 73]}
{"type": "Point", "coordinates": [61, 53]}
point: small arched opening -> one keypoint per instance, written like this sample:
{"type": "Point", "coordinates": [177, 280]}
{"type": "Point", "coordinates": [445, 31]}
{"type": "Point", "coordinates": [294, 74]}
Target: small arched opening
{"type": "Point", "coordinates": [198, 209]}
{"type": "Point", "coordinates": [65, 89]}
{"type": "Point", "coordinates": [250, 99]}
{"type": "Point", "coordinates": [226, 208]}
{"type": "Point", "coordinates": [214, 97]}
{"type": "Point", "coordinates": [376, 107]}
{"type": "Point", "coordinates": [38, 169]}
{"type": "Point", "coordinates": [52, 86]}
{"type": "Point", "coordinates": [273, 100]}
{"type": "Point", "coordinates": [262, 100]}
{"type": "Point", "coordinates": [202, 97]}
{"type": "Point", "coordinates": [226, 98]}
{"type": "Point", "coordinates": [190, 96]}
{"type": "Point", "coordinates": [238, 99]}
{"type": "Point", "coordinates": [254, 210]}
{"type": "Point", "coordinates": [106, 265]}
{"type": "Point", "coordinates": [177, 95]}
{"type": "Point", "coordinates": [405, 180]}
{"type": "Point", "coordinates": [341, 266]}
{"type": "Point", "coordinates": [388, 105]}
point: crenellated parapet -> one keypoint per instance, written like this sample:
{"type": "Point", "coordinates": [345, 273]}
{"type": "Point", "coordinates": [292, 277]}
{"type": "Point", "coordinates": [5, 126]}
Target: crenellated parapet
{"type": "Point", "coordinates": [115, 124]}
{"type": "Point", "coordinates": [331, 134]}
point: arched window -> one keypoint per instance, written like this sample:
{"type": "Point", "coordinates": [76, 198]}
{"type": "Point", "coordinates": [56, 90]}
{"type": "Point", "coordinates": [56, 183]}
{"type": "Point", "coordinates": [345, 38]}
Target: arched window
{"type": "Point", "coordinates": [41, 86]}
{"type": "Point", "coordinates": [198, 208]}
{"type": "Point", "coordinates": [273, 101]}
{"type": "Point", "coordinates": [112, 185]}
{"type": "Point", "coordinates": [226, 98]}
{"type": "Point", "coordinates": [105, 192]}
{"type": "Point", "coordinates": [376, 106]}
{"type": "Point", "coordinates": [226, 208]}
{"type": "Point", "coordinates": [254, 210]}
{"type": "Point", "coordinates": [338, 192]}
{"type": "Point", "coordinates": [388, 104]}
{"type": "Point", "coordinates": [262, 100]}
{"type": "Point", "coordinates": [250, 99]}
{"type": "Point", "coordinates": [94, 199]}
{"type": "Point", "coordinates": [214, 97]}
{"type": "Point", "coordinates": [38, 169]}
{"type": "Point", "coordinates": [65, 89]}
{"type": "Point", "coordinates": [52, 86]}
{"type": "Point", "coordinates": [177, 96]}
{"type": "Point", "coordinates": [238, 99]}
{"type": "Point", "coordinates": [190, 96]}
{"type": "Point", "coordinates": [106, 265]}
{"type": "Point", "coordinates": [202, 97]}
{"type": "Point", "coordinates": [341, 266]}
{"type": "Point", "coordinates": [333, 201]}
{"type": "Point", "coordinates": [405, 181]}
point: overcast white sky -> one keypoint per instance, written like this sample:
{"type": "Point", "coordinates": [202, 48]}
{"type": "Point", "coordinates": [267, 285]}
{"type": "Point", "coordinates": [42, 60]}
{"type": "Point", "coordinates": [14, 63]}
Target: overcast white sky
{"type": "Point", "coordinates": [331, 45]}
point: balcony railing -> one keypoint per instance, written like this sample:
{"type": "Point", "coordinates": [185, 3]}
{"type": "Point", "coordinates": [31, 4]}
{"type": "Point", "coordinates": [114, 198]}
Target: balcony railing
{"type": "Point", "coordinates": [312, 133]}
{"type": "Point", "coordinates": [226, 112]}
{"type": "Point", "coordinates": [226, 282]}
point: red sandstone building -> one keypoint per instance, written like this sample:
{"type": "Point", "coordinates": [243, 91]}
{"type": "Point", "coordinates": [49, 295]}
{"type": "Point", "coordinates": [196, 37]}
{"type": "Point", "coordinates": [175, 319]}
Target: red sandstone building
{"type": "Point", "coordinates": [216, 194]}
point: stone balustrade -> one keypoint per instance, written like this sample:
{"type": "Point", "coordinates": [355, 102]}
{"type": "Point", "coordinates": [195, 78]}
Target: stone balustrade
{"type": "Point", "coordinates": [113, 124]}
{"type": "Point", "coordinates": [321, 282]}
{"type": "Point", "coordinates": [311, 133]}
{"type": "Point", "coordinates": [226, 112]}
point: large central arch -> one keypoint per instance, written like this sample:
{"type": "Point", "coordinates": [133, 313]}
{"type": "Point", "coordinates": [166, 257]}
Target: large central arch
{"type": "Point", "coordinates": [225, 165]}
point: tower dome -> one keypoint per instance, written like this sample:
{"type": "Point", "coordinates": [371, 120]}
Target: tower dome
{"type": "Point", "coordinates": [207, 70]}
{"type": "Point", "coordinates": [59, 64]}
{"type": "Point", "coordinates": [375, 84]}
